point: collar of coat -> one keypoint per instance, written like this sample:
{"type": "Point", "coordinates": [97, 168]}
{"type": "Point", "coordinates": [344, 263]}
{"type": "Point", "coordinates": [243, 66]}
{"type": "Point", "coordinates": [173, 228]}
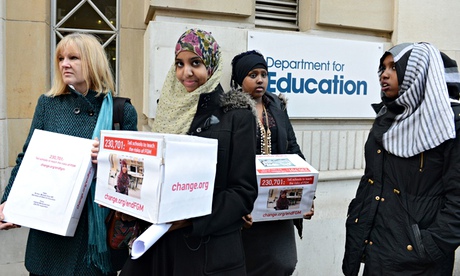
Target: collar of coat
{"type": "Point", "coordinates": [237, 99]}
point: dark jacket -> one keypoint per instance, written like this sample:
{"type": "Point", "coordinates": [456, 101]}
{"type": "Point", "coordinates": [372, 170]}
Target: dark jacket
{"type": "Point", "coordinates": [212, 245]}
{"type": "Point", "coordinates": [405, 218]}
{"type": "Point", "coordinates": [281, 250]}
{"type": "Point", "coordinates": [286, 142]}
{"type": "Point", "coordinates": [228, 117]}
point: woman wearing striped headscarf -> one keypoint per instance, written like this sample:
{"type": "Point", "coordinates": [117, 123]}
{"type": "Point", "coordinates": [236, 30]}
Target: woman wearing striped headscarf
{"type": "Point", "coordinates": [405, 218]}
{"type": "Point", "coordinates": [193, 102]}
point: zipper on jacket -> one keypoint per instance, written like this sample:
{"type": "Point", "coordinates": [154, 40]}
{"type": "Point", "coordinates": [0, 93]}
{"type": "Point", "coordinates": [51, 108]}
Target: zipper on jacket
{"type": "Point", "coordinates": [421, 162]}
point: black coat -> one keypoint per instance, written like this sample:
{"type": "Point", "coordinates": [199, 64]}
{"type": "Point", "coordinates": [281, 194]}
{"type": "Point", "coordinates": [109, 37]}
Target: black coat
{"type": "Point", "coordinates": [213, 245]}
{"type": "Point", "coordinates": [405, 218]}
{"type": "Point", "coordinates": [235, 188]}
{"type": "Point", "coordinates": [286, 142]}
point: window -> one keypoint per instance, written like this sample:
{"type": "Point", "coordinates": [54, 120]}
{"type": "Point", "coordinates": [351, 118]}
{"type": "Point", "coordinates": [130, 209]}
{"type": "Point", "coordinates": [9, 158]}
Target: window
{"type": "Point", "coordinates": [98, 17]}
{"type": "Point", "coordinates": [280, 14]}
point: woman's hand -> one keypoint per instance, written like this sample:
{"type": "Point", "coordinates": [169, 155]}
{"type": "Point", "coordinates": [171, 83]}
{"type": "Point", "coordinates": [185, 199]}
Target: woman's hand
{"type": "Point", "coordinates": [310, 214]}
{"type": "Point", "coordinates": [95, 150]}
{"type": "Point", "coordinates": [247, 221]}
{"type": "Point", "coordinates": [5, 225]}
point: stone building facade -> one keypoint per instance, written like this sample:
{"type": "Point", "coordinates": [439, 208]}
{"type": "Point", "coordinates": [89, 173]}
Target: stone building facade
{"type": "Point", "coordinates": [332, 145]}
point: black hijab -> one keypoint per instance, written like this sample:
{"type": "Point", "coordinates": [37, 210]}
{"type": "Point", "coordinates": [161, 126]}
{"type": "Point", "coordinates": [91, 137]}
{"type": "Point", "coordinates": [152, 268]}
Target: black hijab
{"type": "Point", "coordinates": [244, 63]}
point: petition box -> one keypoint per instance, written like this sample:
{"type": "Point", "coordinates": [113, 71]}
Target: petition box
{"type": "Point", "coordinates": [156, 177]}
{"type": "Point", "coordinates": [50, 188]}
{"type": "Point", "coordinates": [287, 185]}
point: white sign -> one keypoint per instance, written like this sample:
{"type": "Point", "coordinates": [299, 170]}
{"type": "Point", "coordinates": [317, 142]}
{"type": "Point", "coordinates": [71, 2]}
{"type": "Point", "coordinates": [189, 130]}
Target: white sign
{"type": "Point", "coordinates": [49, 191]}
{"type": "Point", "coordinates": [287, 185]}
{"type": "Point", "coordinates": [156, 177]}
{"type": "Point", "coordinates": [321, 77]}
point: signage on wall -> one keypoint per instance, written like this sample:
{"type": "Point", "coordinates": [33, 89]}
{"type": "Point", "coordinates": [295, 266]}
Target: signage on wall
{"type": "Point", "coordinates": [321, 77]}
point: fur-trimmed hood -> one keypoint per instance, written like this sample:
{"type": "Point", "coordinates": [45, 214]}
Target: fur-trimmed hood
{"type": "Point", "coordinates": [283, 100]}
{"type": "Point", "coordinates": [236, 99]}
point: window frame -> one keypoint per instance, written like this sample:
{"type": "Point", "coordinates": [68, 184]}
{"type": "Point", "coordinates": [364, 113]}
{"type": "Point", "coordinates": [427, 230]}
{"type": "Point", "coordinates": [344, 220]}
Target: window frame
{"type": "Point", "coordinates": [56, 29]}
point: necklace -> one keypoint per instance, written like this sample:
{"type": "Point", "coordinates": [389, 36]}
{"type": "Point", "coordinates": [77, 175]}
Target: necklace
{"type": "Point", "coordinates": [265, 135]}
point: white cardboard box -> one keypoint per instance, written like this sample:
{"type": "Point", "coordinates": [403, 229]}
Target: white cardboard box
{"type": "Point", "coordinates": [50, 189]}
{"type": "Point", "coordinates": [171, 176]}
{"type": "Point", "coordinates": [286, 174]}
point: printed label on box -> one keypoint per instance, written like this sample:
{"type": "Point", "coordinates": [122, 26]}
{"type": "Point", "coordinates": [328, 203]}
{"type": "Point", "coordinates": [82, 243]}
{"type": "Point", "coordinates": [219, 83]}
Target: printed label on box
{"type": "Point", "coordinates": [287, 185]}
{"type": "Point", "coordinates": [156, 177]}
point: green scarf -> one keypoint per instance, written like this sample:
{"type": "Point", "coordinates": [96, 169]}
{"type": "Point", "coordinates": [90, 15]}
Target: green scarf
{"type": "Point", "coordinates": [98, 253]}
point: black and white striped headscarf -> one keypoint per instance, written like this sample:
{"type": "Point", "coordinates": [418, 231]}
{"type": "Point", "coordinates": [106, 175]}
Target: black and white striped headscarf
{"type": "Point", "coordinates": [428, 119]}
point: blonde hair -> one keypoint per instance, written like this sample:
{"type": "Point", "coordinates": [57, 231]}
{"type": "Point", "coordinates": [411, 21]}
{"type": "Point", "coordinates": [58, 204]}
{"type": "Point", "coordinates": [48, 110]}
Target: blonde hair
{"type": "Point", "coordinates": [95, 65]}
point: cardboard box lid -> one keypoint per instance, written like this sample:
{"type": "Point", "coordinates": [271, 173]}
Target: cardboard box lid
{"type": "Point", "coordinates": [282, 164]}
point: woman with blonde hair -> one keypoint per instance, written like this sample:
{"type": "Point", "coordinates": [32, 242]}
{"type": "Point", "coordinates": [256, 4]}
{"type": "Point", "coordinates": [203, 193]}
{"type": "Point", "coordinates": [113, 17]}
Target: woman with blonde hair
{"type": "Point", "coordinates": [78, 104]}
{"type": "Point", "coordinates": [95, 67]}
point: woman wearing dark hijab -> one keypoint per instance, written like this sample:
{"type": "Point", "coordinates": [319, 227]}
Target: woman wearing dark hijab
{"type": "Point", "coordinates": [123, 179]}
{"type": "Point", "coordinates": [282, 203]}
{"type": "Point", "coordinates": [269, 246]}
{"type": "Point", "coordinates": [405, 217]}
